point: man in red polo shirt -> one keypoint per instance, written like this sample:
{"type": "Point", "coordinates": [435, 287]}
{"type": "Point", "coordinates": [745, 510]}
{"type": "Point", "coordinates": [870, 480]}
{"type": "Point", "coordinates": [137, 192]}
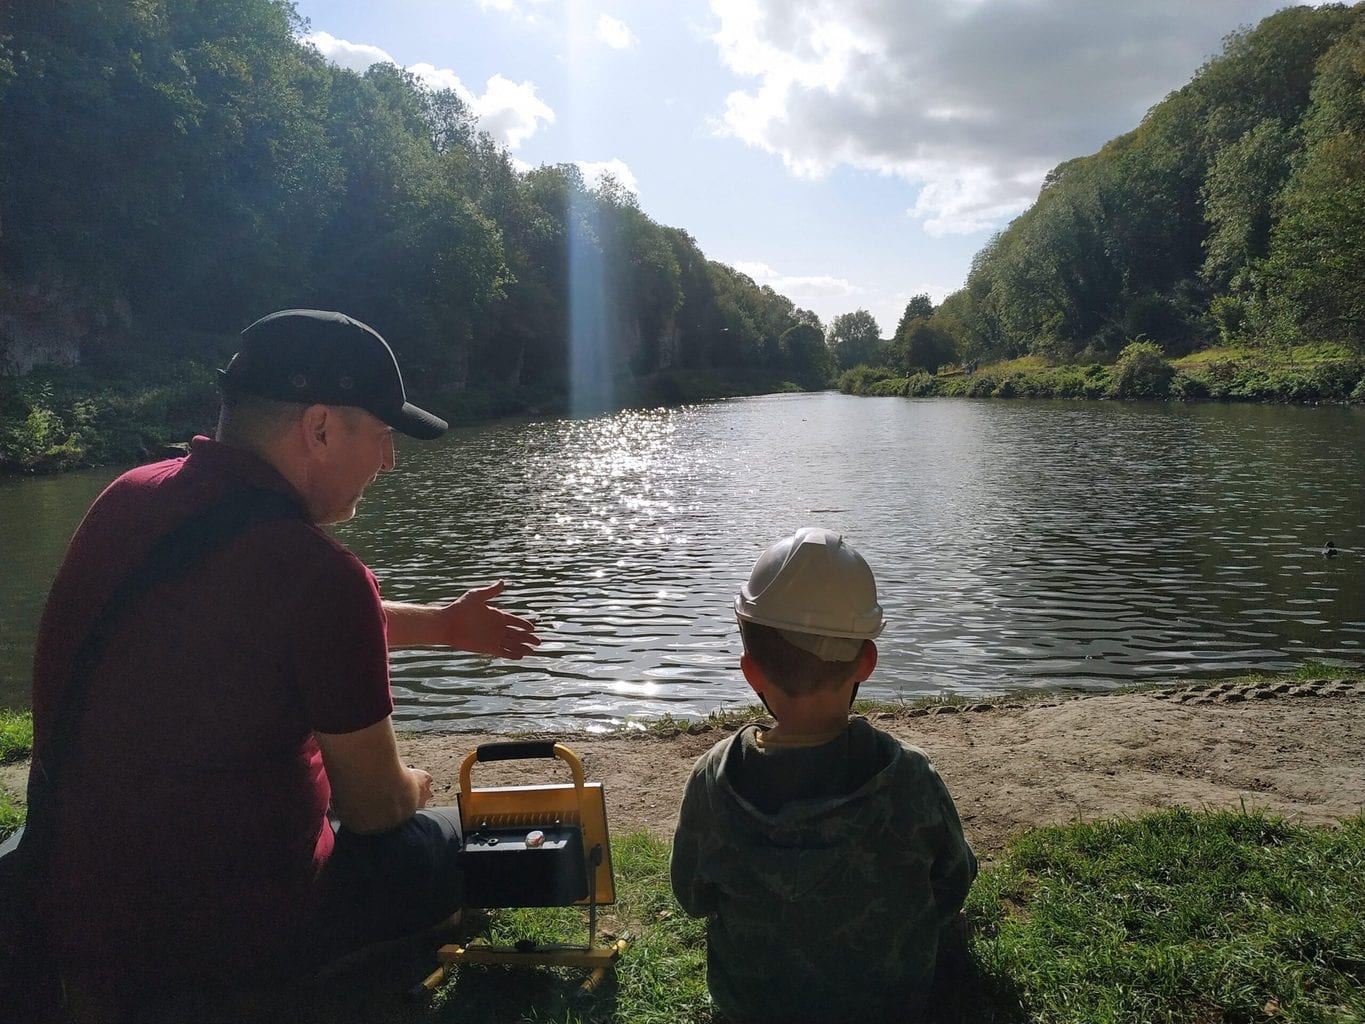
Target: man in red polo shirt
{"type": "Point", "coordinates": [245, 695]}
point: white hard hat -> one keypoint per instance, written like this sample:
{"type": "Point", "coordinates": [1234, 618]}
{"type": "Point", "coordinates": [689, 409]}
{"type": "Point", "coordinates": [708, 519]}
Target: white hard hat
{"type": "Point", "coordinates": [817, 591]}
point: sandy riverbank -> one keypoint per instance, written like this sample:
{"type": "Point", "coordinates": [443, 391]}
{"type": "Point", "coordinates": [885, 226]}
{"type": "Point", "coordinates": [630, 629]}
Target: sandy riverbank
{"type": "Point", "coordinates": [1291, 749]}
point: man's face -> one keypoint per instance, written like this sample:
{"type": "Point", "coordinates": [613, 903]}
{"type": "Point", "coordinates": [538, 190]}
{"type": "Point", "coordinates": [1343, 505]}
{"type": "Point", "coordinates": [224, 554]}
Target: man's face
{"type": "Point", "coordinates": [364, 449]}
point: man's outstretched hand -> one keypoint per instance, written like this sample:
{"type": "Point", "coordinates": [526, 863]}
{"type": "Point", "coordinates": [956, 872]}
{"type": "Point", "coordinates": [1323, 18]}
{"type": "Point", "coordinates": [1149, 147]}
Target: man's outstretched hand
{"type": "Point", "coordinates": [470, 623]}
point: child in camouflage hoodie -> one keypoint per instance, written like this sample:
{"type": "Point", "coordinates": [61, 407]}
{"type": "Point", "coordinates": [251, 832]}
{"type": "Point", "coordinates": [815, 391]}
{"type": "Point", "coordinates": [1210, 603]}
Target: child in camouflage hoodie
{"type": "Point", "coordinates": [826, 855]}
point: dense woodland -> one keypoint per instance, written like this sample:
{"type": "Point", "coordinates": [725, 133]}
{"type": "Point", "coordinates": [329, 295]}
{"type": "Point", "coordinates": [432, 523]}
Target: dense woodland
{"type": "Point", "coordinates": [1234, 214]}
{"type": "Point", "coordinates": [171, 169]}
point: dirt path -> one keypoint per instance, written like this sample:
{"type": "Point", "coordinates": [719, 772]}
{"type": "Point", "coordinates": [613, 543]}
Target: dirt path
{"type": "Point", "coordinates": [1296, 750]}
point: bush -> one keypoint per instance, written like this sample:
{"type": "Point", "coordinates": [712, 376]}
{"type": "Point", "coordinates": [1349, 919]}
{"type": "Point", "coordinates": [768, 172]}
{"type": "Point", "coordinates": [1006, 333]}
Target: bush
{"type": "Point", "coordinates": [1326, 382]}
{"type": "Point", "coordinates": [860, 379]}
{"type": "Point", "coordinates": [1336, 382]}
{"type": "Point", "coordinates": [62, 419]}
{"type": "Point", "coordinates": [957, 386]}
{"type": "Point", "coordinates": [1009, 387]}
{"type": "Point", "coordinates": [1188, 388]}
{"type": "Point", "coordinates": [919, 385]}
{"type": "Point", "coordinates": [1141, 372]}
{"type": "Point", "coordinates": [981, 387]}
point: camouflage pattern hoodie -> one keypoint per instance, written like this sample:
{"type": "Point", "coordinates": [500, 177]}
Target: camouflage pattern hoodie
{"type": "Point", "coordinates": [824, 902]}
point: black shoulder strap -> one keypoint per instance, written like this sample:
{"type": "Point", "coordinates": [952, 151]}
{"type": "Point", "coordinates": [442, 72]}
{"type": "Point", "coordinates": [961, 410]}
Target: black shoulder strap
{"type": "Point", "coordinates": [175, 552]}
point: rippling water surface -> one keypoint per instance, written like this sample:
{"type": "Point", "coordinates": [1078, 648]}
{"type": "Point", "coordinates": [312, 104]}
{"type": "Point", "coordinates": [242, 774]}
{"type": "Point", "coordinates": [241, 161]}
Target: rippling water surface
{"type": "Point", "coordinates": [1015, 545]}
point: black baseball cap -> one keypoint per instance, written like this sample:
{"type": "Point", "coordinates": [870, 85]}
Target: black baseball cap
{"type": "Point", "coordinates": [317, 356]}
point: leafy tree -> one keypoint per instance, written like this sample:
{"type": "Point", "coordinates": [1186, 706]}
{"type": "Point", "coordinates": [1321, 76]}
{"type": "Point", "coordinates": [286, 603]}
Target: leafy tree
{"type": "Point", "coordinates": [807, 357]}
{"type": "Point", "coordinates": [1238, 196]}
{"type": "Point", "coordinates": [920, 307]}
{"type": "Point", "coordinates": [855, 339]}
{"type": "Point", "coordinates": [1315, 275]}
{"type": "Point", "coordinates": [926, 346]}
{"type": "Point", "coordinates": [452, 125]}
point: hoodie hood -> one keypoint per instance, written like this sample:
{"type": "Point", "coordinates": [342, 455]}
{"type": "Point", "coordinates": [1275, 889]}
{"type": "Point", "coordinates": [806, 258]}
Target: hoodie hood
{"type": "Point", "coordinates": [796, 850]}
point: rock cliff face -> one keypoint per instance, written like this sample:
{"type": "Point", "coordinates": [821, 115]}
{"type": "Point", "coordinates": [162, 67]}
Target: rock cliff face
{"type": "Point", "coordinates": [49, 323]}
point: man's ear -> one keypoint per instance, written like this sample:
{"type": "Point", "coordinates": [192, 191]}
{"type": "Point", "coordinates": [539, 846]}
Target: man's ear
{"type": "Point", "coordinates": [316, 424]}
{"type": "Point", "coordinates": [867, 661]}
{"type": "Point", "coordinates": [753, 675]}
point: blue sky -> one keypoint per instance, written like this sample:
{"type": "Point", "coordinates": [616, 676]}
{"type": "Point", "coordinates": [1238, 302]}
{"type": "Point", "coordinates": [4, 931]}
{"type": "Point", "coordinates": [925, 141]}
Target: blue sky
{"type": "Point", "coordinates": [851, 153]}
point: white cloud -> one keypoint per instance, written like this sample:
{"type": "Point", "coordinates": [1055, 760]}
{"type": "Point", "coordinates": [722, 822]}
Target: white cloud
{"type": "Point", "coordinates": [435, 78]}
{"type": "Point", "coordinates": [510, 7]}
{"type": "Point", "coordinates": [614, 33]}
{"type": "Point", "coordinates": [593, 173]}
{"type": "Point", "coordinates": [801, 289]}
{"type": "Point", "coordinates": [509, 111]}
{"type": "Point", "coordinates": [974, 102]}
{"type": "Point", "coordinates": [352, 56]}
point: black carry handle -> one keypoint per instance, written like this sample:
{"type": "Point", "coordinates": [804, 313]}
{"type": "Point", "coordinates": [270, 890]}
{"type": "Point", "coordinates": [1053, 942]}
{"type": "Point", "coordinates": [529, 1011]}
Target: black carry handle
{"type": "Point", "coordinates": [514, 750]}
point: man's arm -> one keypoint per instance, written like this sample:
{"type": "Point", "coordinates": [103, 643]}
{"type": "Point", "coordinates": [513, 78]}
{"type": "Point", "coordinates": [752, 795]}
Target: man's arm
{"type": "Point", "coordinates": [371, 789]}
{"type": "Point", "coordinates": [471, 623]}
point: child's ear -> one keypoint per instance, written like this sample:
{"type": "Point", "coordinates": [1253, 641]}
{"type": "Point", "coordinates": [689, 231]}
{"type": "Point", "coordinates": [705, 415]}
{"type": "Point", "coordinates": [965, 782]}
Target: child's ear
{"type": "Point", "coordinates": [867, 661]}
{"type": "Point", "coordinates": [753, 675]}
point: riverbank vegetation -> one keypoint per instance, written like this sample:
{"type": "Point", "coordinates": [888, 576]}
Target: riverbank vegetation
{"type": "Point", "coordinates": [1307, 374]}
{"type": "Point", "coordinates": [61, 418]}
{"type": "Point", "coordinates": [240, 172]}
{"type": "Point", "coordinates": [1231, 218]}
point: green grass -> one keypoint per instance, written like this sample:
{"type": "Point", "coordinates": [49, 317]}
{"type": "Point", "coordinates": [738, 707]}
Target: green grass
{"type": "Point", "coordinates": [16, 735]}
{"type": "Point", "coordinates": [661, 978]}
{"type": "Point", "coordinates": [1022, 364]}
{"type": "Point", "coordinates": [1317, 670]}
{"type": "Point", "coordinates": [1314, 352]}
{"type": "Point", "coordinates": [1179, 916]}
{"type": "Point", "coordinates": [1305, 673]}
{"type": "Point", "coordinates": [16, 741]}
{"type": "Point", "coordinates": [11, 817]}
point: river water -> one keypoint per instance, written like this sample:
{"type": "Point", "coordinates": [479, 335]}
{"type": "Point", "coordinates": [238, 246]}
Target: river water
{"type": "Point", "coordinates": [1016, 545]}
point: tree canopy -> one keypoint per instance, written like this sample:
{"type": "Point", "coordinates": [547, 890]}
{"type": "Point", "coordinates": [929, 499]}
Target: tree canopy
{"type": "Point", "coordinates": [1234, 212]}
{"type": "Point", "coordinates": [173, 169]}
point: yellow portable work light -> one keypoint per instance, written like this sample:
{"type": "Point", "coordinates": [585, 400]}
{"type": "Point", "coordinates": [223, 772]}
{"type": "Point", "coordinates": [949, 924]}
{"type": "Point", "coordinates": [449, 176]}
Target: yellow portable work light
{"type": "Point", "coordinates": [534, 846]}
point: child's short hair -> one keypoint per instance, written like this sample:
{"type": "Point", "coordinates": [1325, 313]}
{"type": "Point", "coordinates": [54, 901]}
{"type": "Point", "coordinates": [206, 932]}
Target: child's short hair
{"type": "Point", "coordinates": [793, 671]}
{"type": "Point", "coordinates": [807, 611]}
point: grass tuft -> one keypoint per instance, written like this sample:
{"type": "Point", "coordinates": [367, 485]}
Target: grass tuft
{"type": "Point", "coordinates": [11, 817]}
{"type": "Point", "coordinates": [16, 735]}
